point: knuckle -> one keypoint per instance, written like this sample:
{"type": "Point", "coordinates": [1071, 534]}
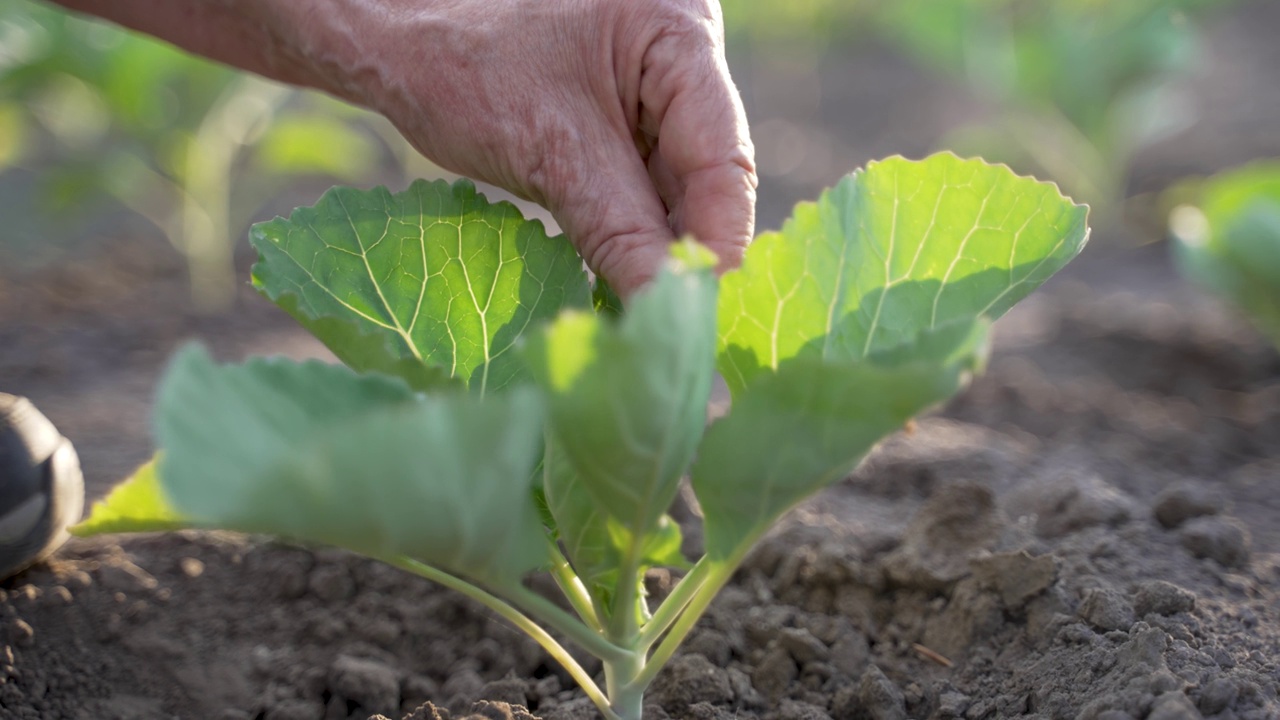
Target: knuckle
{"type": "Point", "coordinates": [690, 25]}
{"type": "Point", "coordinates": [606, 250]}
{"type": "Point", "coordinates": [554, 165]}
{"type": "Point", "coordinates": [682, 24]}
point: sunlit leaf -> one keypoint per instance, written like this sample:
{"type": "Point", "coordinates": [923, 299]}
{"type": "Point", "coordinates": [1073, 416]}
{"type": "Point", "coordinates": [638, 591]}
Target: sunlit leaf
{"type": "Point", "coordinates": [893, 250]}
{"type": "Point", "coordinates": [448, 279]}
{"type": "Point", "coordinates": [135, 505]}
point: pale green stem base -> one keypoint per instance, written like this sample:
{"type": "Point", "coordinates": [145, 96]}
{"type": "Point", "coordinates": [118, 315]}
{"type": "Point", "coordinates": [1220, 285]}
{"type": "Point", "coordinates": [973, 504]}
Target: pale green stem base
{"type": "Point", "coordinates": [622, 647]}
{"type": "Point", "coordinates": [625, 696]}
{"type": "Point", "coordinates": [517, 618]}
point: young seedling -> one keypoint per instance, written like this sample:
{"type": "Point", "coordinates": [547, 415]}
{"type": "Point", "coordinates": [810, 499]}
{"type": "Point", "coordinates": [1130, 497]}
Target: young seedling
{"type": "Point", "coordinates": [494, 421]}
{"type": "Point", "coordinates": [1229, 241]}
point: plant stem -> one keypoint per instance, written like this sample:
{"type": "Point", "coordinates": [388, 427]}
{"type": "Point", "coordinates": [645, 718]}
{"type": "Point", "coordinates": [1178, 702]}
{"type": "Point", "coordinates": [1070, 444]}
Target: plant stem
{"type": "Point", "coordinates": [626, 695]}
{"type": "Point", "coordinates": [670, 609]}
{"type": "Point", "coordinates": [574, 591]}
{"type": "Point", "coordinates": [623, 625]}
{"type": "Point", "coordinates": [515, 617]}
{"type": "Point", "coordinates": [206, 184]}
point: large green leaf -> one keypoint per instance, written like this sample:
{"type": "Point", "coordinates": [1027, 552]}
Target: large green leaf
{"type": "Point", "coordinates": [135, 505]}
{"type": "Point", "coordinates": [892, 250]}
{"type": "Point", "coordinates": [446, 278]}
{"type": "Point", "coordinates": [808, 424]}
{"type": "Point", "coordinates": [628, 400]}
{"type": "Point", "coordinates": [315, 452]}
{"type": "Point", "coordinates": [1231, 244]}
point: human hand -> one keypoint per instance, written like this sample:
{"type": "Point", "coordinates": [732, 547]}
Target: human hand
{"type": "Point", "coordinates": [619, 116]}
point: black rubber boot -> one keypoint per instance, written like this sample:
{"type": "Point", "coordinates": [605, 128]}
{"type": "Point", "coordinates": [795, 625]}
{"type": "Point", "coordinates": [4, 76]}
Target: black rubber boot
{"type": "Point", "coordinates": [41, 486]}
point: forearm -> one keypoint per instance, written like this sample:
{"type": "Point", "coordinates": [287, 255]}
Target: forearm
{"type": "Point", "coordinates": [312, 43]}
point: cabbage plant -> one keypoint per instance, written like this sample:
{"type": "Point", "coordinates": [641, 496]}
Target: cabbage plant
{"type": "Point", "coordinates": [1228, 241]}
{"type": "Point", "coordinates": [498, 415]}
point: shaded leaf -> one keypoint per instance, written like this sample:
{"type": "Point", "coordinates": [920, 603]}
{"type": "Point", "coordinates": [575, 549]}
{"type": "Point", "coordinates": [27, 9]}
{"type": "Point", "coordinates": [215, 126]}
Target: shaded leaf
{"type": "Point", "coordinates": [805, 426]}
{"type": "Point", "coordinates": [369, 351]}
{"type": "Point", "coordinates": [317, 453]}
{"type": "Point", "coordinates": [582, 526]}
{"type": "Point", "coordinates": [605, 301]}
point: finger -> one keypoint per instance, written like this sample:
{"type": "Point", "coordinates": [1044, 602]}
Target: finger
{"type": "Point", "coordinates": [614, 215]}
{"type": "Point", "coordinates": [704, 162]}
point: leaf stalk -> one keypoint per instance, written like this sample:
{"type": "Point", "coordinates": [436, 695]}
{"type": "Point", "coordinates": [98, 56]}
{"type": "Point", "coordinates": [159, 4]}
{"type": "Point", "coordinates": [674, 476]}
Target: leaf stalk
{"type": "Point", "coordinates": [674, 604]}
{"type": "Point", "coordinates": [547, 612]}
{"type": "Point", "coordinates": [718, 575]}
{"type": "Point", "coordinates": [521, 621]}
{"type": "Point", "coordinates": [573, 589]}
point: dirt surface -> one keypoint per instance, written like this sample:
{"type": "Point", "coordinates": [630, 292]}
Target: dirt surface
{"type": "Point", "coordinates": [1092, 530]}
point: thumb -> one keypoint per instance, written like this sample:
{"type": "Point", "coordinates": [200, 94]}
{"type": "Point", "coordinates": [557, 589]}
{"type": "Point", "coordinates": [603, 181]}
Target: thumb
{"type": "Point", "coordinates": [704, 163]}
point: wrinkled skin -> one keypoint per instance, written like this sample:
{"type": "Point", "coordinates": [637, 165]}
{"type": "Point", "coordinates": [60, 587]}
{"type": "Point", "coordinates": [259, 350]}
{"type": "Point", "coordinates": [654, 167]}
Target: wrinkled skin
{"type": "Point", "coordinates": [618, 115]}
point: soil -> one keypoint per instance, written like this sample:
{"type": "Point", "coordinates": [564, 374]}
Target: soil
{"type": "Point", "coordinates": [1091, 531]}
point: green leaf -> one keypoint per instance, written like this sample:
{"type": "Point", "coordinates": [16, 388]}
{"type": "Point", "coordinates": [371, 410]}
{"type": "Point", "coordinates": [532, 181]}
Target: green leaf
{"type": "Point", "coordinates": [892, 250]}
{"type": "Point", "coordinates": [135, 505]}
{"type": "Point", "coordinates": [961, 344]}
{"type": "Point", "coordinates": [628, 403]}
{"type": "Point", "coordinates": [1255, 239]}
{"type": "Point", "coordinates": [1231, 243]}
{"type": "Point", "coordinates": [582, 527]}
{"type": "Point", "coordinates": [605, 301]}
{"type": "Point", "coordinates": [447, 279]}
{"type": "Point", "coordinates": [370, 351]}
{"type": "Point", "coordinates": [662, 546]}
{"type": "Point", "coordinates": [805, 426]}
{"type": "Point", "coordinates": [317, 453]}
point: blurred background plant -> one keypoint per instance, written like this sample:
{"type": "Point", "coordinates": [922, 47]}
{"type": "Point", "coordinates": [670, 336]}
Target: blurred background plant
{"type": "Point", "coordinates": [1227, 238]}
{"type": "Point", "coordinates": [95, 119]}
{"type": "Point", "coordinates": [1079, 86]}
{"type": "Point", "coordinates": [812, 21]}
{"type": "Point", "coordinates": [1073, 88]}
